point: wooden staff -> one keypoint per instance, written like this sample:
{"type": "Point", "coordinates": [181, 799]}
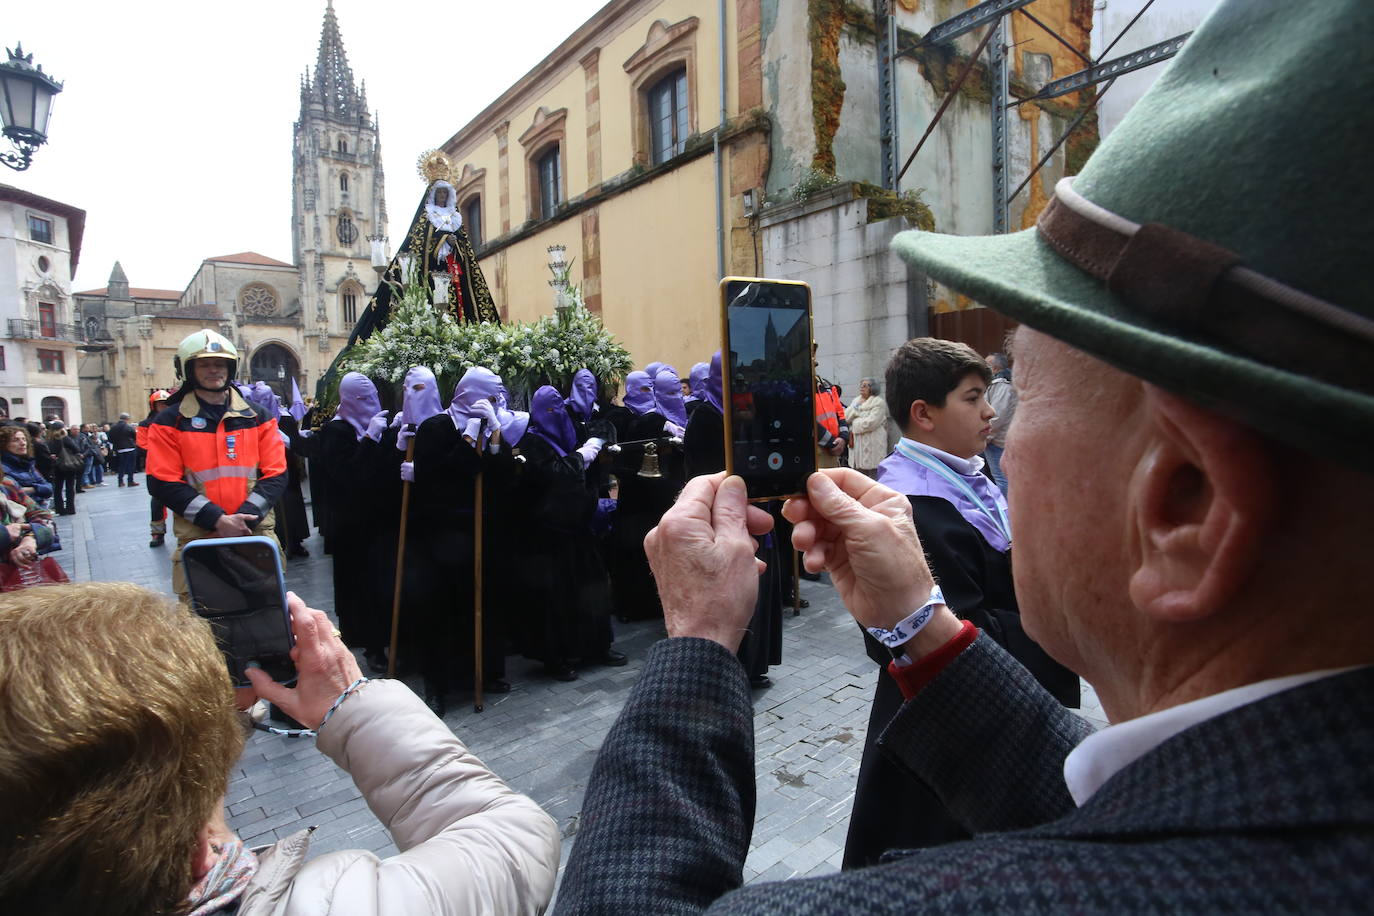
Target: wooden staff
{"type": "Point", "coordinates": [477, 699]}
{"type": "Point", "coordinates": [400, 565]}
{"type": "Point", "coordinates": [796, 582]}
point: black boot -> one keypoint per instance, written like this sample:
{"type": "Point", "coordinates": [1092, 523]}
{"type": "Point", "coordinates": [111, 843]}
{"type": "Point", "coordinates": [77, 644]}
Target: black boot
{"type": "Point", "coordinates": [376, 660]}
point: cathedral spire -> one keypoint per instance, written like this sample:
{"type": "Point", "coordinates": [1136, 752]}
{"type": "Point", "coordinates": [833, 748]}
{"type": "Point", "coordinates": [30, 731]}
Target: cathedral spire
{"type": "Point", "coordinates": [333, 87]}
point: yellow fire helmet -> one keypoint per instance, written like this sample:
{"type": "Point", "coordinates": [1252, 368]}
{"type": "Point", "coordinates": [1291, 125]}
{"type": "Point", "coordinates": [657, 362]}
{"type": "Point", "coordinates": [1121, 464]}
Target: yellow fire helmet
{"type": "Point", "coordinates": [204, 342]}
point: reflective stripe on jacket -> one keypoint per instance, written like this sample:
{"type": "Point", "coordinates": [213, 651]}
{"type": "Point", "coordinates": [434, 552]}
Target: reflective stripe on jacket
{"type": "Point", "coordinates": [830, 415]}
{"type": "Point", "coordinates": [202, 470]}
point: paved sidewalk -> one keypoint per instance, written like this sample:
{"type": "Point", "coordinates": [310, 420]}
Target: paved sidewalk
{"type": "Point", "coordinates": [542, 738]}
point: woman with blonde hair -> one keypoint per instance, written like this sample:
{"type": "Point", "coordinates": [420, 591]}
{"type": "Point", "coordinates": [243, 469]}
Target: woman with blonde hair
{"type": "Point", "coordinates": [868, 424]}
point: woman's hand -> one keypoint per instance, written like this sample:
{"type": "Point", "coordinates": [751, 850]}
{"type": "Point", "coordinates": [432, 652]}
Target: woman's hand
{"type": "Point", "coordinates": [25, 553]}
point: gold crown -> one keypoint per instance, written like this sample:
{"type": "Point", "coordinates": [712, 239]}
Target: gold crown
{"type": "Point", "coordinates": [434, 166]}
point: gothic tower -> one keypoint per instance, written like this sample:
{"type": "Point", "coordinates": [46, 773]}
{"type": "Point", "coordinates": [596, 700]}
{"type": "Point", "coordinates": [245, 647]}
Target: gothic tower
{"type": "Point", "coordinates": [338, 199]}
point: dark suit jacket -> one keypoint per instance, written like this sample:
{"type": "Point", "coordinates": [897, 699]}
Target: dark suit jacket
{"type": "Point", "coordinates": [1267, 808]}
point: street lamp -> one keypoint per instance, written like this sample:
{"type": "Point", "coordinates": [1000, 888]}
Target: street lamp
{"type": "Point", "coordinates": [26, 94]}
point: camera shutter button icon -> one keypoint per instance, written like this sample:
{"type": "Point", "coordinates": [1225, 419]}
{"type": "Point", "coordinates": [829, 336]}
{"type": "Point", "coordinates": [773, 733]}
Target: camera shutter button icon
{"type": "Point", "coordinates": [775, 461]}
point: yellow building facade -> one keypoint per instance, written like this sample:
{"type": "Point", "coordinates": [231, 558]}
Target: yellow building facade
{"type": "Point", "coordinates": [615, 147]}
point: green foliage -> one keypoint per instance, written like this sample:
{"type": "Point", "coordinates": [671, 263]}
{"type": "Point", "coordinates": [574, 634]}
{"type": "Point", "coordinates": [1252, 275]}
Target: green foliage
{"type": "Point", "coordinates": [526, 356]}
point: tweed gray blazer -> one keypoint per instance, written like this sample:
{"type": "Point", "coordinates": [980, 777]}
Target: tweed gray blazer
{"type": "Point", "coordinates": [1267, 808]}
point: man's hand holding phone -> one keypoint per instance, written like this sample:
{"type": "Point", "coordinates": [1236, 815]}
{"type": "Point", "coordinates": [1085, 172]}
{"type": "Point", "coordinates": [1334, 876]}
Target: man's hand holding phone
{"type": "Point", "coordinates": [325, 667]}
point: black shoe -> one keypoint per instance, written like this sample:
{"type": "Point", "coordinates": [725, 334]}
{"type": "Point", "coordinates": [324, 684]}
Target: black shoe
{"type": "Point", "coordinates": [561, 672]}
{"type": "Point", "coordinates": [760, 682]}
{"type": "Point", "coordinates": [810, 576]}
{"type": "Point", "coordinates": [496, 685]}
{"type": "Point", "coordinates": [614, 659]}
{"type": "Point", "coordinates": [792, 602]}
{"type": "Point", "coordinates": [376, 660]}
{"type": "Point", "coordinates": [298, 550]}
{"type": "Point", "coordinates": [436, 704]}
{"type": "Point", "coordinates": [276, 715]}
{"type": "Point", "coordinates": [157, 540]}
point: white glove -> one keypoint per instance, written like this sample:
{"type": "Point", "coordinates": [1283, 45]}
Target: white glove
{"type": "Point", "coordinates": [406, 433]}
{"type": "Point", "coordinates": [484, 409]}
{"type": "Point", "coordinates": [473, 429]}
{"type": "Point", "coordinates": [307, 433]}
{"type": "Point", "coordinates": [591, 449]}
{"type": "Point", "coordinates": [408, 471]}
{"type": "Point", "coordinates": [673, 429]}
{"type": "Point", "coordinates": [377, 426]}
{"type": "Point", "coordinates": [397, 420]}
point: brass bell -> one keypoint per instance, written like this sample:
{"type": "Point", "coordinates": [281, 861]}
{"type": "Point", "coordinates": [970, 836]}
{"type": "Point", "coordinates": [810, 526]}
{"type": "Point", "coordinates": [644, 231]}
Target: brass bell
{"type": "Point", "coordinates": [649, 466]}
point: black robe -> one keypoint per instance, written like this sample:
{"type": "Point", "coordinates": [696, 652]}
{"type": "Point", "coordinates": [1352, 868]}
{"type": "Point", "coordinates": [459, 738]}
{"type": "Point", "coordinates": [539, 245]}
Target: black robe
{"type": "Point", "coordinates": [568, 616]}
{"type": "Point", "coordinates": [704, 446]}
{"type": "Point", "coordinates": [438, 611]}
{"type": "Point", "coordinates": [351, 466]}
{"type": "Point", "coordinates": [292, 524]}
{"type": "Point", "coordinates": [642, 502]}
{"type": "Point", "coordinates": [891, 810]}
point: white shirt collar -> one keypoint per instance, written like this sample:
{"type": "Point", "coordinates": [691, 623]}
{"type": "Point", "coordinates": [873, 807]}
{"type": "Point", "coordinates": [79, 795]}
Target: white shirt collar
{"type": "Point", "coordinates": [1105, 753]}
{"type": "Point", "coordinates": [966, 466]}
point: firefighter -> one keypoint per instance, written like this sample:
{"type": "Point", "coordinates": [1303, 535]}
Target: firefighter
{"type": "Point", "coordinates": [214, 460]}
{"type": "Point", "coordinates": [157, 526]}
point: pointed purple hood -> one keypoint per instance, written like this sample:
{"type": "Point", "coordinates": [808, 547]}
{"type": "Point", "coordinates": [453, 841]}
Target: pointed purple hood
{"type": "Point", "coordinates": [668, 396]}
{"type": "Point", "coordinates": [420, 399]}
{"type": "Point", "coordinates": [582, 398]}
{"type": "Point", "coordinates": [513, 422]}
{"type": "Point", "coordinates": [550, 421]}
{"type": "Point", "coordinates": [358, 402]}
{"type": "Point", "coordinates": [477, 383]}
{"type": "Point", "coordinates": [715, 392]}
{"type": "Point", "coordinates": [260, 395]}
{"type": "Point", "coordinates": [639, 393]}
{"type": "Point", "coordinates": [696, 381]}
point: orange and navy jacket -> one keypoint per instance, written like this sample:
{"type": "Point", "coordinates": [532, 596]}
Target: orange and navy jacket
{"type": "Point", "coordinates": [201, 470]}
{"type": "Point", "coordinates": [829, 416]}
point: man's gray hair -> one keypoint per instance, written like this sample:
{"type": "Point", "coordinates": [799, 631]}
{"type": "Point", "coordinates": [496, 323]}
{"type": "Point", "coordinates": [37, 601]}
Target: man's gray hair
{"type": "Point", "coordinates": [124, 416]}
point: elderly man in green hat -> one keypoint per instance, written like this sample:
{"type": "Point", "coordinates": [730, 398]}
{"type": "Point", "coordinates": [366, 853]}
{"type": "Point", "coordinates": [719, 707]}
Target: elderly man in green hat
{"type": "Point", "coordinates": [1192, 485]}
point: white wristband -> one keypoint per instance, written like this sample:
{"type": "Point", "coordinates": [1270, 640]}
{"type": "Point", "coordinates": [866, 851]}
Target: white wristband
{"type": "Point", "coordinates": [906, 629]}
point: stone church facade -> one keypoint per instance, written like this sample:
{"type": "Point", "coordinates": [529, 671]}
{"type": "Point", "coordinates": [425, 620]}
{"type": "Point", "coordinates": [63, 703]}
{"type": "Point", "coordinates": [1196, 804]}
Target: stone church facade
{"type": "Point", "coordinates": [288, 320]}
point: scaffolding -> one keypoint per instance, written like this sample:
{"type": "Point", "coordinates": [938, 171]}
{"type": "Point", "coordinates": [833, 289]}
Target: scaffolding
{"type": "Point", "coordinates": [993, 14]}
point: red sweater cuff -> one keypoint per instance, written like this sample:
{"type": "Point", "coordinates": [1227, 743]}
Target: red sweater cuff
{"type": "Point", "coordinates": [921, 672]}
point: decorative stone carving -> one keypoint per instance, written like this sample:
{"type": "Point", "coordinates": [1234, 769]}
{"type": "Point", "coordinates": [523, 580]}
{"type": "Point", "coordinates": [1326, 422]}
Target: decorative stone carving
{"type": "Point", "coordinates": [258, 299]}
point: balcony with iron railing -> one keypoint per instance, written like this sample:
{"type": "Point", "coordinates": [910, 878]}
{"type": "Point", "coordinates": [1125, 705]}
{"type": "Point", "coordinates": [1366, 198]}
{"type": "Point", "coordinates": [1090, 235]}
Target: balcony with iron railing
{"type": "Point", "coordinates": [21, 328]}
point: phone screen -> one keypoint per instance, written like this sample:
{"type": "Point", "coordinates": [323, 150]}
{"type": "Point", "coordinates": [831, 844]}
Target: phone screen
{"type": "Point", "coordinates": [769, 385]}
{"type": "Point", "coordinates": [237, 584]}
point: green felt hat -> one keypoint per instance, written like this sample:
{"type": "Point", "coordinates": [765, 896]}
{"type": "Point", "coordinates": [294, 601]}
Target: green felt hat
{"type": "Point", "coordinates": [1258, 139]}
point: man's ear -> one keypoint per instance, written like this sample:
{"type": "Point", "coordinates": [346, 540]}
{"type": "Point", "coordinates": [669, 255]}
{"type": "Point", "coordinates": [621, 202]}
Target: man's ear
{"type": "Point", "coordinates": [919, 416]}
{"type": "Point", "coordinates": [1201, 500]}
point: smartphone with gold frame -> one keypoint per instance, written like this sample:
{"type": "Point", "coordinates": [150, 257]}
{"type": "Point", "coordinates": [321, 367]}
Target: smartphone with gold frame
{"type": "Point", "coordinates": [769, 384]}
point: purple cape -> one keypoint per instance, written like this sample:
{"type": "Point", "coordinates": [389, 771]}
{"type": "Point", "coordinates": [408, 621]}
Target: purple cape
{"type": "Point", "coordinates": [582, 398]}
{"type": "Point", "coordinates": [639, 393]}
{"type": "Point", "coordinates": [668, 396]}
{"type": "Point", "coordinates": [550, 421]}
{"type": "Point", "coordinates": [914, 479]}
{"type": "Point", "coordinates": [358, 402]}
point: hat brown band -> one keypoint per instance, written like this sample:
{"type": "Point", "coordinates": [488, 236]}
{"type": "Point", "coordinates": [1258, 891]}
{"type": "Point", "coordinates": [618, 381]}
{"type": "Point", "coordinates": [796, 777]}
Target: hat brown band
{"type": "Point", "coordinates": [1202, 290]}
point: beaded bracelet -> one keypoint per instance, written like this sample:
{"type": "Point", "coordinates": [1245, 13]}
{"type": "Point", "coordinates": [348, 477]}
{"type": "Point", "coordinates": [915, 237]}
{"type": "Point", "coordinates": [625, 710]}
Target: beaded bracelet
{"type": "Point", "coordinates": [313, 732]}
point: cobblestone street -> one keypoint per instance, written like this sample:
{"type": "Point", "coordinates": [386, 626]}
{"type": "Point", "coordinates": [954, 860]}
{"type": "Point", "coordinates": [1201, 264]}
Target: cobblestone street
{"type": "Point", "coordinates": [543, 736]}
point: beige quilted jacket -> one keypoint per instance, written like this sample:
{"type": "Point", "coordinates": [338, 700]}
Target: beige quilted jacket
{"type": "Point", "coordinates": [469, 843]}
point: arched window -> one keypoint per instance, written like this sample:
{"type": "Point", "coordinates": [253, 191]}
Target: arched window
{"type": "Point", "coordinates": [472, 219]}
{"type": "Point", "coordinates": [54, 408]}
{"type": "Point", "coordinates": [343, 182]}
{"type": "Point", "coordinates": [343, 144]}
{"type": "Point", "coordinates": [348, 305]}
{"type": "Point", "coordinates": [667, 100]}
{"type": "Point", "coordinates": [550, 182]}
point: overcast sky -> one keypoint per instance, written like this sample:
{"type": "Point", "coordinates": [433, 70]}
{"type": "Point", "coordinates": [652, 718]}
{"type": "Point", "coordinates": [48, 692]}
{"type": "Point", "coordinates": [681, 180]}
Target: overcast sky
{"type": "Point", "coordinates": [173, 131]}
